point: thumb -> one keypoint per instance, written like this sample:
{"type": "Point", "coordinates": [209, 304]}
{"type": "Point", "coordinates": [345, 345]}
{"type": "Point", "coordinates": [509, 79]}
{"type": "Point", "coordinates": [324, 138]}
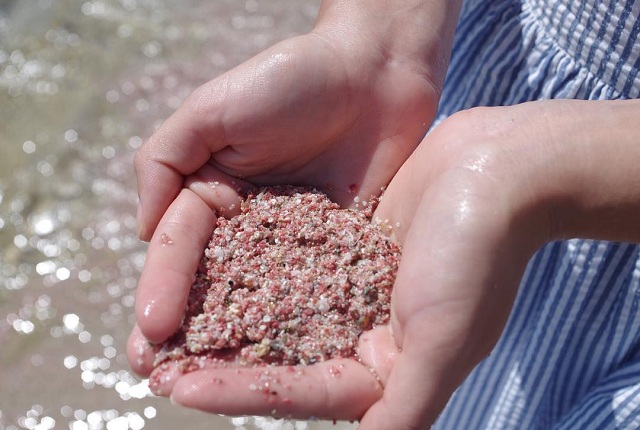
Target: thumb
{"type": "Point", "coordinates": [181, 146]}
{"type": "Point", "coordinates": [425, 373]}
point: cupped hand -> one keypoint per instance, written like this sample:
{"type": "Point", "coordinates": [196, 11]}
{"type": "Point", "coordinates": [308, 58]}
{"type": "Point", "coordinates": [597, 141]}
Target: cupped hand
{"type": "Point", "coordinates": [460, 214]}
{"type": "Point", "coordinates": [327, 109]}
{"type": "Point", "coordinates": [479, 196]}
{"type": "Point", "coordinates": [462, 219]}
{"type": "Point", "coordinates": [340, 108]}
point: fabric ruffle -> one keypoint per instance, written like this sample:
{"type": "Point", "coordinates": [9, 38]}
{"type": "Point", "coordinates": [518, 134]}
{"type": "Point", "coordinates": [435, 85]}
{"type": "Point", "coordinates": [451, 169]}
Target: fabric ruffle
{"type": "Point", "coordinates": [508, 52]}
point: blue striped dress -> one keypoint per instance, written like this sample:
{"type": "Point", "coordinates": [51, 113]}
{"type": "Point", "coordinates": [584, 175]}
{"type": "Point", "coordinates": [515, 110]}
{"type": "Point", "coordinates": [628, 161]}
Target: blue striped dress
{"type": "Point", "coordinates": [570, 355]}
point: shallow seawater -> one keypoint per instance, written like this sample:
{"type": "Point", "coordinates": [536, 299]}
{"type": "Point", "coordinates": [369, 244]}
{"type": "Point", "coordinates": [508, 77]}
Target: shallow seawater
{"type": "Point", "coordinates": [82, 83]}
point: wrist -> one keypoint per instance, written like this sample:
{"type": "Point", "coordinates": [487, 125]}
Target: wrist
{"type": "Point", "coordinates": [549, 170]}
{"type": "Point", "coordinates": [417, 34]}
{"type": "Point", "coordinates": [575, 169]}
{"type": "Point", "coordinates": [598, 157]}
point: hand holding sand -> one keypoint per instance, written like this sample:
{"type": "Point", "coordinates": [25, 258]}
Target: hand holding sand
{"type": "Point", "coordinates": [468, 217]}
{"type": "Point", "coordinates": [339, 109]}
{"type": "Point", "coordinates": [480, 195]}
{"type": "Point", "coordinates": [442, 214]}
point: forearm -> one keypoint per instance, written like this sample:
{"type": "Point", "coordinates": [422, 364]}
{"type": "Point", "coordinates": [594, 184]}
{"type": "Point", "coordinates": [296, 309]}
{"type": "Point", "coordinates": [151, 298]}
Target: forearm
{"type": "Point", "coordinates": [602, 200]}
{"type": "Point", "coordinates": [415, 33]}
{"type": "Point", "coordinates": [584, 176]}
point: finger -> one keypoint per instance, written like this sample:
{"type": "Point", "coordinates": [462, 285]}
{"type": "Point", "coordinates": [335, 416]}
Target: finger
{"type": "Point", "coordinates": [340, 389]}
{"type": "Point", "coordinates": [140, 353]}
{"type": "Point", "coordinates": [218, 190]}
{"type": "Point", "coordinates": [377, 350]}
{"type": "Point", "coordinates": [171, 263]}
{"type": "Point", "coordinates": [176, 248]}
{"type": "Point", "coordinates": [416, 391]}
{"type": "Point", "coordinates": [178, 148]}
{"type": "Point", "coordinates": [163, 377]}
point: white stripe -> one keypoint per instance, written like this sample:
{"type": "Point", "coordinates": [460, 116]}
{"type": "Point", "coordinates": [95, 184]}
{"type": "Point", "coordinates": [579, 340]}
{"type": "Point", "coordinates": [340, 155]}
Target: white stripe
{"type": "Point", "coordinates": [626, 403]}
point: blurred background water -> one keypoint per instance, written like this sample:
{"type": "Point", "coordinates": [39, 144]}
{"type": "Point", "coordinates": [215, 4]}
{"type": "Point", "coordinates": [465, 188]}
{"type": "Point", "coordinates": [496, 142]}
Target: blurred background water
{"type": "Point", "coordinates": [82, 84]}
